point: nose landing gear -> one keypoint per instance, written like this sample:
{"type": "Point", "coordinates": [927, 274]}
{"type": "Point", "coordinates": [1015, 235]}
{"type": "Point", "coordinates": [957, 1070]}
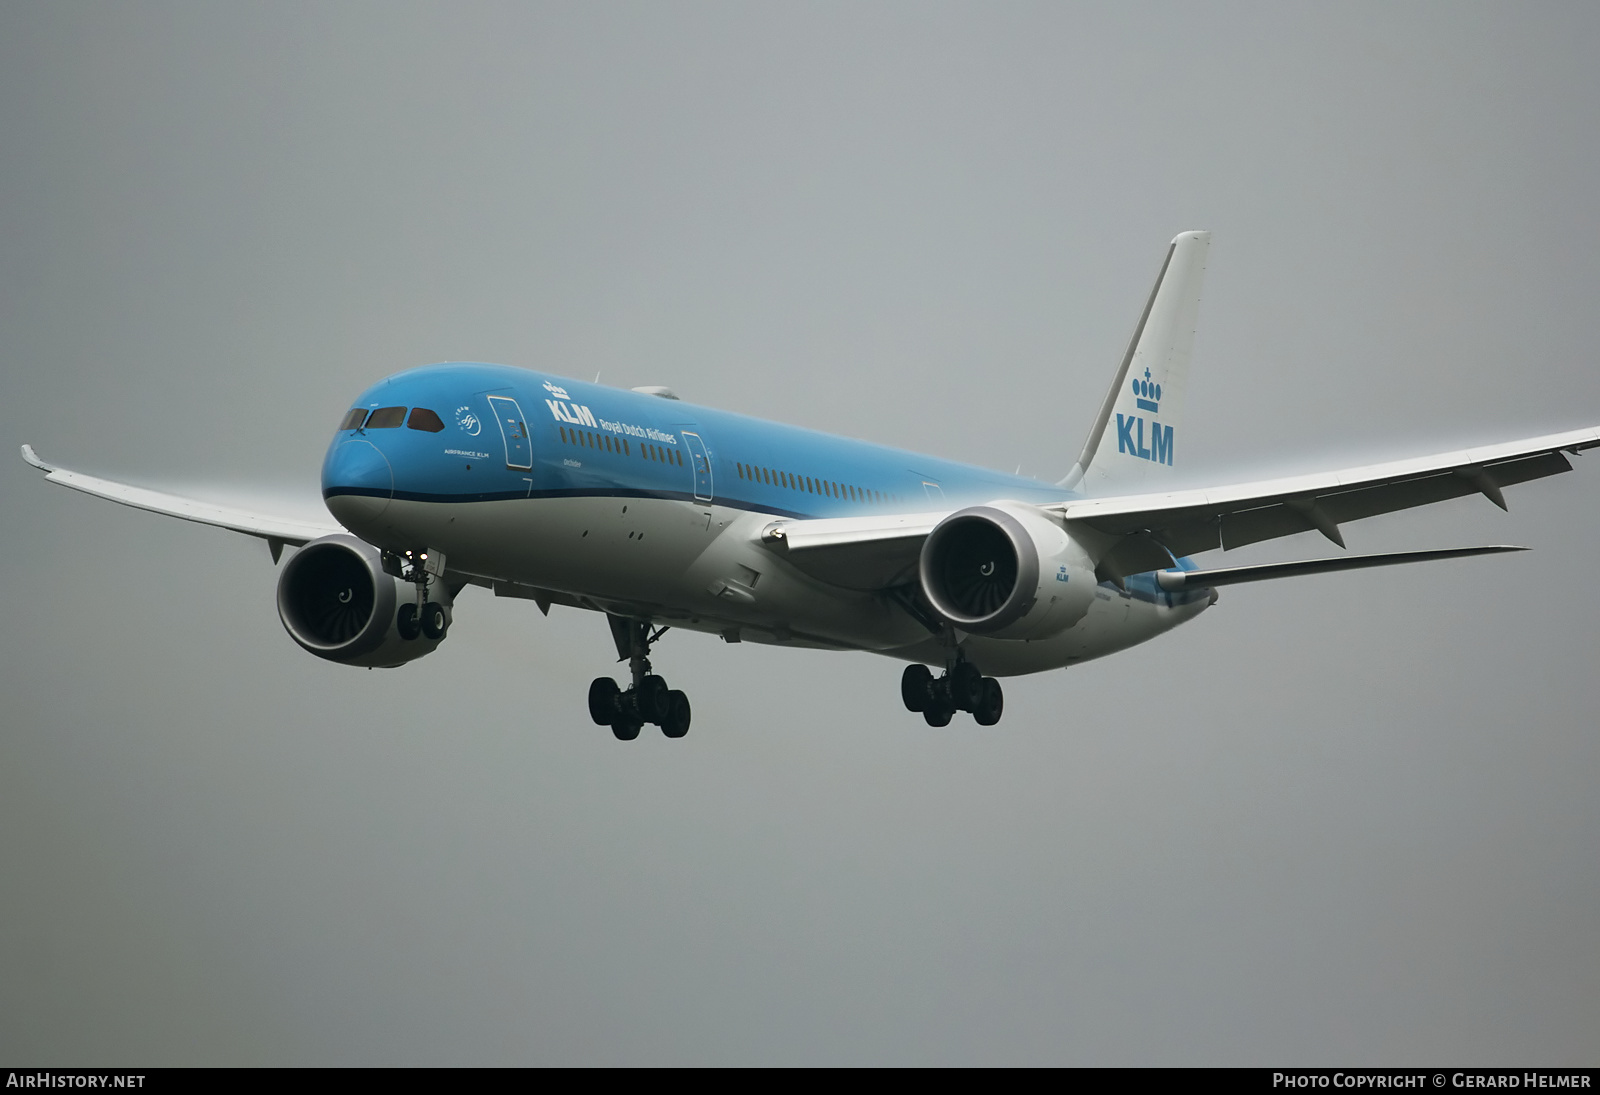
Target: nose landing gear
{"type": "Point", "coordinates": [422, 617]}
{"type": "Point", "coordinates": [962, 688]}
{"type": "Point", "coordinates": [649, 699]}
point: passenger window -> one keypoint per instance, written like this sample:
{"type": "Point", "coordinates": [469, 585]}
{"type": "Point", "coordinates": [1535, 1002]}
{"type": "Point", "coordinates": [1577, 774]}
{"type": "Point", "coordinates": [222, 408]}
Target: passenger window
{"type": "Point", "coordinates": [387, 418]}
{"type": "Point", "coordinates": [424, 419]}
{"type": "Point", "coordinates": [353, 420]}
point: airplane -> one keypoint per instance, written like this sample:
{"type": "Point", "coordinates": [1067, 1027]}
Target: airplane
{"type": "Point", "coordinates": [661, 514]}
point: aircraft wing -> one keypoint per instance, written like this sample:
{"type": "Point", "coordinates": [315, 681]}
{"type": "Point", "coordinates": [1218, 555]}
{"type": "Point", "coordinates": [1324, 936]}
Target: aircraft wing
{"type": "Point", "coordinates": [1190, 521]}
{"type": "Point", "coordinates": [277, 530]}
{"type": "Point", "coordinates": [881, 551]}
{"type": "Point", "coordinates": [855, 552]}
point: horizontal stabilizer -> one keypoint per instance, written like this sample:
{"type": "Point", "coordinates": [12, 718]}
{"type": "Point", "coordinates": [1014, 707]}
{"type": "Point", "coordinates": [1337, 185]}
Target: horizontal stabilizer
{"type": "Point", "coordinates": [275, 528]}
{"type": "Point", "coordinates": [1174, 580]}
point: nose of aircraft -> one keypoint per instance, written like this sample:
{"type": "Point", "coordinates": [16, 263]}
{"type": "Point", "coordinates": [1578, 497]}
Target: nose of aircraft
{"type": "Point", "coordinates": [357, 482]}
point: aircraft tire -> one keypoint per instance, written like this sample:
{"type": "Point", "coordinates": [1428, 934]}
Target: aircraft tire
{"type": "Point", "coordinates": [991, 705]}
{"type": "Point", "coordinates": [937, 716]}
{"type": "Point", "coordinates": [407, 623]}
{"type": "Point", "coordinates": [626, 729]}
{"type": "Point", "coordinates": [966, 686]}
{"type": "Point", "coordinates": [652, 700]}
{"type": "Point", "coordinates": [434, 621]}
{"type": "Point", "coordinates": [603, 696]}
{"type": "Point", "coordinates": [914, 685]}
{"type": "Point", "coordinates": [675, 717]}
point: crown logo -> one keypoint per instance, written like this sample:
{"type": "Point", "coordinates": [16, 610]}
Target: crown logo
{"type": "Point", "coordinates": [1146, 394]}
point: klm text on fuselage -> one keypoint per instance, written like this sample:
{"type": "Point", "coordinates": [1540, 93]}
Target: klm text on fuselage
{"type": "Point", "coordinates": [1130, 439]}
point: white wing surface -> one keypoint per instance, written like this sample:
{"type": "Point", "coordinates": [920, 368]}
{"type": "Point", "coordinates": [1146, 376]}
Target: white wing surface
{"type": "Point", "coordinates": [1143, 531]}
{"type": "Point", "coordinates": [274, 528]}
{"type": "Point", "coordinates": [1189, 521]}
{"type": "Point", "coordinates": [854, 552]}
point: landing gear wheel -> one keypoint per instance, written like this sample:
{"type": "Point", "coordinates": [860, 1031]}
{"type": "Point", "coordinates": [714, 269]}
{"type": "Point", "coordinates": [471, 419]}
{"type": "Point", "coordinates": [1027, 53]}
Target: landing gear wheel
{"type": "Point", "coordinates": [990, 704]}
{"type": "Point", "coordinates": [966, 686]}
{"type": "Point", "coordinates": [434, 621]}
{"type": "Point", "coordinates": [653, 699]}
{"type": "Point", "coordinates": [603, 696]}
{"type": "Point", "coordinates": [675, 717]}
{"type": "Point", "coordinates": [407, 623]}
{"type": "Point", "coordinates": [937, 716]}
{"type": "Point", "coordinates": [914, 685]}
{"type": "Point", "coordinates": [626, 729]}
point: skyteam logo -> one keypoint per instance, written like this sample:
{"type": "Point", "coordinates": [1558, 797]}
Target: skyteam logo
{"type": "Point", "coordinates": [467, 420]}
{"type": "Point", "coordinates": [1130, 428]}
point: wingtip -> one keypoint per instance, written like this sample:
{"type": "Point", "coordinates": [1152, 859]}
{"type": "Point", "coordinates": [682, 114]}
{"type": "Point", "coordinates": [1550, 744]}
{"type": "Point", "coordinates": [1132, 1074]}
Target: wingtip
{"type": "Point", "coordinates": [33, 458]}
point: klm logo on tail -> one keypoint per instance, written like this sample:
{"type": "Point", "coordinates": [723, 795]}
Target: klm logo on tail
{"type": "Point", "coordinates": [1130, 428]}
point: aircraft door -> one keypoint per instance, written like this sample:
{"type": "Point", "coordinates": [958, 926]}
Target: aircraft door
{"type": "Point", "coordinates": [514, 430]}
{"type": "Point", "coordinates": [702, 466]}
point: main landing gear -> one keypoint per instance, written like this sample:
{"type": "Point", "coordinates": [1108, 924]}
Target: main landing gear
{"type": "Point", "coordinates": [648, 699]}
{"type": "Point", "coordinates": [961, 688]}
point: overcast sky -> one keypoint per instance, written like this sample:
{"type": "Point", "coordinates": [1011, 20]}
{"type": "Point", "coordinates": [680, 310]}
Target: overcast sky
{"type": "Point", "coordinates": [1348, 818]}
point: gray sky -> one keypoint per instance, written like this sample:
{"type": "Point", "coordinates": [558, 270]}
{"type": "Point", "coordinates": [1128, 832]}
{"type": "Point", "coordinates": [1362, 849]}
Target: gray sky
{"type": "Point", "coordinates": [1347, 818]}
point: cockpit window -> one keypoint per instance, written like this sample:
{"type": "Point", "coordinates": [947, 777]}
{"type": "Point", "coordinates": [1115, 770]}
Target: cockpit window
{"type": "Point", "coordinates": [424, 419]}
{"type": "Point", "coordinates": [386, 418]}
{"type": "Point", "coordinates": [353, 420]}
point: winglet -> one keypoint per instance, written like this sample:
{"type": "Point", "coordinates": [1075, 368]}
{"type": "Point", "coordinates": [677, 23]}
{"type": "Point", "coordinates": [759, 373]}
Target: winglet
{"type": "Point", "coordinates": [33, 458]}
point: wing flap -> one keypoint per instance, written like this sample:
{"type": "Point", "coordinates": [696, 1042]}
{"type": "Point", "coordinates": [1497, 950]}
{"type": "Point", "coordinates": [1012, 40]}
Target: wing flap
{"type": "Point", "coordinates": [271, 527]}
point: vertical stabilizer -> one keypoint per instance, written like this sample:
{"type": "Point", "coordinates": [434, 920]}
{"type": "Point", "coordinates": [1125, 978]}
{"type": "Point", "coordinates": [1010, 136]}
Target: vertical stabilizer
{"type": "Point", "coordinates": [1134, 443]}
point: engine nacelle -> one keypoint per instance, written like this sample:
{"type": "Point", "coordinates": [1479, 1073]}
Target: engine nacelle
{"type": "Point", "coordinates": [1006, 570]}
{"type": "Point", "coordinates": [336, 601]}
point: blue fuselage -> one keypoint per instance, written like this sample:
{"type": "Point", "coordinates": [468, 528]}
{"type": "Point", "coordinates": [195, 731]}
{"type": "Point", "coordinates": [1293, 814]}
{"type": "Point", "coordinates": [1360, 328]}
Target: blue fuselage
{"type": "Point", "coordinates": [640, 505]}
{"type": "Point", "coordinates": [511, 433]}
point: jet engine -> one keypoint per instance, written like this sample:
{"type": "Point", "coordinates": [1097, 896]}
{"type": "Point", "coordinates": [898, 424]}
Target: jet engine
{"type": "Point", "coordinates": [1007, 571]}
{"type": "Point", "coordinates": [336, 600]}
